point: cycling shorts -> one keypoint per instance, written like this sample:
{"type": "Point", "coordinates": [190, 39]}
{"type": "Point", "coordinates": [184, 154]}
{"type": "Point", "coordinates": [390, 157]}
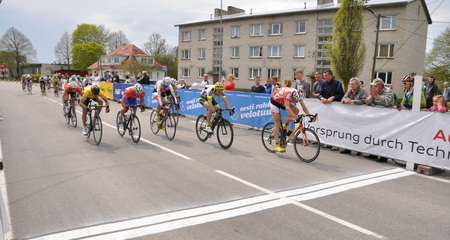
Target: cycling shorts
{"type": "Point", "coordinates": [131, 101]}
{"type": "Point", "coordinates": [275, 107]}
{"type": "Point", "coordinates": [203, 101]}
{"type": "Point", "coordinates": [163, 97]}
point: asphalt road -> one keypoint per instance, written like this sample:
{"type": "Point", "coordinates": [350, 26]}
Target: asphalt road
{"type": "Point", "coordinates": [60, 185]}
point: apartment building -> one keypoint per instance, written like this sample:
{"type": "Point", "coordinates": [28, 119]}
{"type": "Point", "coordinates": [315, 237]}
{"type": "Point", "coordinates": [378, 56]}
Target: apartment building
{"type": "Point", "coordinates": [277, 43]}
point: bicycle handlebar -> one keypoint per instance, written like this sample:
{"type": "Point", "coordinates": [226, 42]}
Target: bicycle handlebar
{"type": "Point", "coordinates": [301, 116]}
{"type": "Point", "coordinates": [231, 110]}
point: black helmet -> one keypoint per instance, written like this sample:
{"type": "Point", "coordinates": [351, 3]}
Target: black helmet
{"type": "Point", "coordinates": [95, 90]}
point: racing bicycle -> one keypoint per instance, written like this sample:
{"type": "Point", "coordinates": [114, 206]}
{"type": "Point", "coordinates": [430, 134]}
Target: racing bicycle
{"type": "Point", "coordinates": [94, 122]}
{"type": "Point", "coordinates": [305, 140]}
{"type": "Point", "coordinates": [167, 122]}
{"type": "Point", "coordinates": [223, 127]}
{"type": "Point", "coordinates": [130, 122]}
{"type": "Point", "coordinates": [69, 112]}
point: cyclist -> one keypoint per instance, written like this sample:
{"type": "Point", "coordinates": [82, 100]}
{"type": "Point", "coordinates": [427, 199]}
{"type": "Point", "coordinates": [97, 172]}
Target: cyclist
{"type": "Point", "coordinates": [55, 84]}
{"type": "Point", "coordinates": [42, 83]}
{"type": "Point", "coordinates": [71, 89]}
{"type": "Point", "coordinates": [28, 80]}
{"type": "Point", "coordinates": [159, 93]}
{"type": "Point", "coordinates": [131, 95]}
{"type": "Point", "coordinates": [173, 81]}
{"type": "Point", "coordinates": [207, 100]}
{"type": "Point", "coordinates": [92, 93]}
{"type": "Point", "coordinates": [285, 98]}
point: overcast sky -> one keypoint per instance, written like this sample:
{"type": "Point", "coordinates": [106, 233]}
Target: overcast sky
{"type": "Point", "coordinates": [45, 21]}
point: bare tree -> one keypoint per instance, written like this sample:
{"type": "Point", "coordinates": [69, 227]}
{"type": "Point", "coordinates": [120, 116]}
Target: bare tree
{"type": "Point", "coordinates": [156, 45]}
{"type": "Point", "coordinates": [115, 40]}
{"type": "Point", "coordinates": [18, 47]}
{"type": "Point", "coordinates": [63, 49]}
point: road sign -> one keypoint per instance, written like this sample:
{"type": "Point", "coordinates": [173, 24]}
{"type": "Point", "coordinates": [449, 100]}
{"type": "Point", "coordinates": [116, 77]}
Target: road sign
{"type": "Point", "coordinates": [164, 68]}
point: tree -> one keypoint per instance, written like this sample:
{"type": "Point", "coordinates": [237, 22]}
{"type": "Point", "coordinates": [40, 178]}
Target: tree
{"type": "Point", "coordinates": [171, 60]}
{"type": "Point", "coordinates": [63, 49]}
{"type": "Point", "coordinates": [18, 49]}
{"type": "Point", "coordinates": [115, 40]}
{"type": "Point", "coordinates": [88, 42]}
{"type": "Point", "coordinates": [134, 67]}
{"type": "Point", "coordinates": [156, 45]}
{"type": "Point", "coordinates": [86, 54]}
{"type": "Point", "coordinates": [347, 49]}
{"type": "Point", "coordinates": [438, 59]}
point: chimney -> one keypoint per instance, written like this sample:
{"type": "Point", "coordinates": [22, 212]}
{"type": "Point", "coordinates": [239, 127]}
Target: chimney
{"type": "Point", "coordinates": [124, 46]}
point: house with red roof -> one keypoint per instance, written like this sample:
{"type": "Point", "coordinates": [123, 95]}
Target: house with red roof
{"type": "Point", "coordinates": [127, 59]}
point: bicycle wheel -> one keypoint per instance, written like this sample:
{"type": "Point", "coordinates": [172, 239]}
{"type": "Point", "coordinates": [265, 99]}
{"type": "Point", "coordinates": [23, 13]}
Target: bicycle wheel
{"type": "Point", "coordinates": [225, 134]}
{"type": "Point", "coordinates": [153, 124]}
{"type": "Point", "coordinates": [120, 123]}
{"type": "Point", "coordinates": [66, 114]}
{"type": "Point", "coordinates": [29, 88]}
{"type": "Point", "coordinates": [89, 125]}
{"type": "Point", "coordinates": [135, 128]}
{"type": "Point", "coordinates": [73, 116]}
{"type": "Point", "coordinates": [97, 130]}
{"type": "Point", "coordinates": [200, 126]}
{"type": "Point", "coordinates": [268, 137]}
{"type": "Point", "coordinates": [170, 126]}
{"type": "Point", "coordinates": [174, 113]}
{"type": "Point", "coordinates": [307, 145]}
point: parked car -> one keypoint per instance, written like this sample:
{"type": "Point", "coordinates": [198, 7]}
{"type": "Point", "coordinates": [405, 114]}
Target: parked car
{"type": "Point", "coordinates": [195, 86]}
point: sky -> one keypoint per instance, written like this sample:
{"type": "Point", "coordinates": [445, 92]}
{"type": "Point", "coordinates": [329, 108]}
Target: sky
{"type": "Point", "coordinates": [45, 21]}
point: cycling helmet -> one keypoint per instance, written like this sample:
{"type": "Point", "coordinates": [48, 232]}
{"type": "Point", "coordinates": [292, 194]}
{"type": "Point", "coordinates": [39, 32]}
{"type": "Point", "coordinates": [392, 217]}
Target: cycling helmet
{"type": "Point", "coordinates": [73, 84]}
{"type": "Point", "coordinates": [173, 81]}
{"type": "Point", "coordinates": [408, 78]}
{"type": "Point", "coordinates": [166, 81]}
{"type": "Point", "coordinates": [28, 76]}
{"type": "Point", "coordinates": [138, 89]}
{"type": "Point", "coordinates": [95, 90]}
{"type": "Point", "coordinates": [300, 95]}
{"type": "Point", "coordinates": [218, 86]}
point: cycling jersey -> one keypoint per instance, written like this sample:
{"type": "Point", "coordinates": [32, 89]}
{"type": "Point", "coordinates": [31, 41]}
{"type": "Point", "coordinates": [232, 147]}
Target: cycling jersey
{"type": "Point", "coordinates": [159, 92]}
{"type": "Point", "coordinates": [73, 91]}
{"type": "Point", "coordinates": [130, 93]}
{"type": "Point", "coordinates": [209, 92]}
{"type": "Point", "coordinates": [88, 93]}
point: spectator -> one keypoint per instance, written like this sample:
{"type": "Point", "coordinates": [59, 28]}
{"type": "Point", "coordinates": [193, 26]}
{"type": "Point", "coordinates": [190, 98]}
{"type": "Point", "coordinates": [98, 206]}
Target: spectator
{"type": "Point", "coordinates": [361, 83]}
{"type": "Point", "coordinates": [379, 94]}
{"type": "Point", "coordinates": [431, 91]}
{"type": "Point", "coordinates": [130, 79]}
{"type": "Point", "coordinates": [446, 92]}
{"type": "Point", "coordinates": [181, 84]}
{"type": "Point", "coordinates": [270, 88]}
{"type": "Point", "coordinates": [331, 89]}
{"type": "Point", "coordinates": [439, 104]}
{"type": "Point", "coordinates": [407, 101]}
{"type": "Point", "coordinates": [258, 88]}
{"type": "Point", "coordinates": [1, 117]}
{"type": "Point", "coordinates": [96, 78]}
{"type": "Point", "coordinates": [145, 80]}
{"type": "Point", "coordinates": [395, 96]}
{"type": "Point", "coordinates": [229, 84]}
{"type": "Point", "coordinates": [115, 77]}
{"type": "Point", "coordinates": [317, 86]}
{"type": "Point", "coordinates": [106, 77]}
{"type": "Point", "coordinates": [205, 81]}
{"type": "Point", "coordinates": [301, 83]}
{"type": "Point", "coordinates": [355, 95]}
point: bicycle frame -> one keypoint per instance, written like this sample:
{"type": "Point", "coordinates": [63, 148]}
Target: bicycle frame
{"type": "Point", "coordinates": [299, 127]}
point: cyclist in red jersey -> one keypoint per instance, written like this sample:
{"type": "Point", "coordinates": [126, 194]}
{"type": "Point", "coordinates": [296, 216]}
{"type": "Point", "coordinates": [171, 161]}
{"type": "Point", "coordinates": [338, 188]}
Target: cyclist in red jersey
{"type": "Point", "coordinates": [71, 89]}
{"type": "Point", "coordinates": [131, 95]}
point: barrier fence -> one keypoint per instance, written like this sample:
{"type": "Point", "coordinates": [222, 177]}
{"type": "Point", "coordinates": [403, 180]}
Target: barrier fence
{"type": "Point", "coordinates": [420, 137]}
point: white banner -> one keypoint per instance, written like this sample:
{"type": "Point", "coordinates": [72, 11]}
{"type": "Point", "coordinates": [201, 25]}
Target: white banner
{"type": "Point", "coordinates": [420, 137]}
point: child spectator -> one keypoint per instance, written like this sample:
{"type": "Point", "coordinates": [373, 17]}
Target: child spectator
{"type": "Point", "coordinates": [439, 104]}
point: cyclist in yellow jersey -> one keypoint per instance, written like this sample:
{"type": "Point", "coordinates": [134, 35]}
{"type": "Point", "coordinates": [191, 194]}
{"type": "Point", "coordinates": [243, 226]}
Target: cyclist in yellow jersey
{"type": "Point", "coordinates": [207, 100]}
{"type": "Point", "coordinates": [92, 93]}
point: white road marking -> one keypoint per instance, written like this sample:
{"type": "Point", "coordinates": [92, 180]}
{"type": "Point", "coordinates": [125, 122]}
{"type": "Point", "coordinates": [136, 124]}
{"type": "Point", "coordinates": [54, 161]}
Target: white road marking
{"type": "Point", "coordinates": [174, 220]}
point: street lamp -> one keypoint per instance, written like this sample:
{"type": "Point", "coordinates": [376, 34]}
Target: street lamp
{"type": "Point", "coordinates": [376, 41]}
{"type": "Point", "coordinates": [100, 63]}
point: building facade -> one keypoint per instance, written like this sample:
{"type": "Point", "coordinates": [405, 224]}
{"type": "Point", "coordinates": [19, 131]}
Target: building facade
{"type": "Point", "coordinates": [277, 43]}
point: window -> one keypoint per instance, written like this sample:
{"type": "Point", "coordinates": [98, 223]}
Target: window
{"type": "Point", "coordinates": [254, 72]}
{"type": "Point", "coordinates": [255, 52]}
{"type": "Point", "coordinates": [235, 52]}
{"type": "Point", "coordinates": [322, 62]}
{"type": "Point", "coordinates": [388, 23]}
{"type": "Point", "coordinates": [201, 72]}
{"type": "Point", "coordinates": [320, 47]}
{"type": "Point", "coordinates": [186, 54]}
{"type": "Point", "coordinates": [218, 30]}
{"type": "Point", "coordinates": [299, 51]}
{"type": "Point", "coordinates": [322, 55]}
{"type": "Point", "coordinates": [186, 72]}
{"type": "Point", "coordinates": [274, 51]}
{"type": "Point", "coordinates": [276, 29]}
{"type": "Point", "coordinates": [256, 30]}
{"type": "Point", "coordinates": [300, 27]}
{"type": "Point", "coordinates": [385, 76]}
{"type": "Point", "coordinates": [385, 50]}
{"type": "Point", "coordinates": [202, 34]}
{"type": "Point", "coordinates": [201, 53]}
{"type": "Point", "coordinates": [217, 62]}
{"type": "Point", "coordinates": [235, 32]}
{"type": "Point", "coordinates": [323, 39]}
{"type": "Point", "coordinates": [325, 22]}
{"type": "Point", "coordinates": [186, 36]}
{"type": "Point", "coordinates": [274, 72]}
{"type": "Point", "coordinates": [327, 30]}
{"type": "Point", "coordinates": [235, 72]}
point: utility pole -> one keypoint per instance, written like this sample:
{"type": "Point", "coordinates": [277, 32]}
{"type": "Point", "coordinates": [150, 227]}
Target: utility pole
{"type": "Point", "coordinates": [221, 46]}
{"type": "Point", "coordinates": [376, 45]}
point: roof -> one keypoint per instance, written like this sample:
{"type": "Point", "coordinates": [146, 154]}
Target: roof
{"type": "Point", "coordinates": [371, 3]}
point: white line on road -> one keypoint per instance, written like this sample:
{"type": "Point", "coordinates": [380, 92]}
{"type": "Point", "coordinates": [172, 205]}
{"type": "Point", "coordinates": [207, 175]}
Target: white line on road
{"type": "Point", "coordinates": [174, 220]}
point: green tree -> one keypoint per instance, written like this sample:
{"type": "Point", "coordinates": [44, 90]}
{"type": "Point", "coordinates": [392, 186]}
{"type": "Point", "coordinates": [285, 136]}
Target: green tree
{"type": "Point", "coordinates": [171, 60]}
{"type": "Point", "coordinates": [346, 48]}
{"type": "Point", "coordinates": [17, 50]}
{"type": "Point", "coordinates": [88, 41]}
{"type": "Point", "coordinates": [438, 59]}
{"type": "Point", "coordinates": [85, 54]}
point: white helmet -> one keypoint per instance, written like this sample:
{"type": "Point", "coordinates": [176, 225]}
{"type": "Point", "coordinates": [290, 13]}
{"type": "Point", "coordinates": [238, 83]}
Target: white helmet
{"type": "Point", "coordinates": [173, 81]}
{"type": "Point", "coordinates": [73, 84]}
{"type": "Point", "coordinates": [28, 76]}
{"type": "Point", "coordinates": [138, 88]}
{"type": "Point", "coordinates": [166, 81]}
{"type": "Point", "coordinates": [301, 95]}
